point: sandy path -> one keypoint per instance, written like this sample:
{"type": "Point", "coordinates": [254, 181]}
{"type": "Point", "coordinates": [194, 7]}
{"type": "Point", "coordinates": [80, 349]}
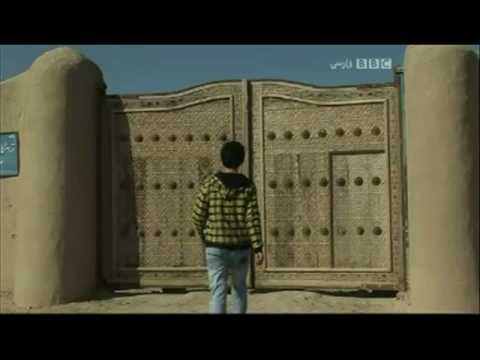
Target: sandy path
{"type": "Point", "coordinates": [197, 302]}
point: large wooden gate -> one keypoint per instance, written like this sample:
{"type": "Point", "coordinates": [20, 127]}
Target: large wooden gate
{"type": "Point", "coordinates": [326, 161]}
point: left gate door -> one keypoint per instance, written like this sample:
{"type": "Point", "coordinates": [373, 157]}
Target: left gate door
{"type": "Point", "coordinates": [159, 148]}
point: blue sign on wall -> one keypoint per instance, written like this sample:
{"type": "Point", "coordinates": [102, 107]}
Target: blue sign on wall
{"type": "Point", "coordinates": [8, 154]}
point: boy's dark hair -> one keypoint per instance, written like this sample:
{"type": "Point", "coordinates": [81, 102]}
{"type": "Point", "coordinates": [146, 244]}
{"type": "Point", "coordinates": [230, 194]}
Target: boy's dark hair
{"type": "Point", "coordinates": [232, 154]}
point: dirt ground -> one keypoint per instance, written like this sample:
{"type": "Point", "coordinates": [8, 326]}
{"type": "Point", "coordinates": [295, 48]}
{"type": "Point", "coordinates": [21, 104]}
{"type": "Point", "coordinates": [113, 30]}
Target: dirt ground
{"type": "Point", "coordinates": [196, 302]}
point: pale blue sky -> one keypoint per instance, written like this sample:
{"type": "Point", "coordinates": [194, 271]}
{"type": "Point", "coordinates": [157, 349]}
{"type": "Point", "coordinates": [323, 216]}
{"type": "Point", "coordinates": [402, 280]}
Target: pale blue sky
{"type": "Point", "coordinates": [162, 68]}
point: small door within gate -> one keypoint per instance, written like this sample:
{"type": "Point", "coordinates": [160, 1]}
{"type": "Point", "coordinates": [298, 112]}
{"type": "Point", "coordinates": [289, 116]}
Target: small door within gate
{"type": "Point", "coordinates": [326, 161]}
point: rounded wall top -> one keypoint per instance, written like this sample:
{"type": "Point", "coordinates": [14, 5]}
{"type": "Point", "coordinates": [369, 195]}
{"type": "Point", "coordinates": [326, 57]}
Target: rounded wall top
{"type": "Point", "coordinates": [65, 58]}
{"type": "Point", "coordinates": [441, 47]}
{"type": "Point", "coordinates": [426, 53]}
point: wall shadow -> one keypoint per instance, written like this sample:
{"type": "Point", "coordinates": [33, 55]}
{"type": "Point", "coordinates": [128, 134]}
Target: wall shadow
{"type": "Point", "coordinates": [122, 231]}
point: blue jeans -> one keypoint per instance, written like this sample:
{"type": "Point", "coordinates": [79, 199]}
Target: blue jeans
{"type": "Point", "coordinates": [221, 263]}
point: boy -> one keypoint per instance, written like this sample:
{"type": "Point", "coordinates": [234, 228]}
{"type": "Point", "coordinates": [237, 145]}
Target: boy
{"type": "Point", "coordinates": [226, 216]}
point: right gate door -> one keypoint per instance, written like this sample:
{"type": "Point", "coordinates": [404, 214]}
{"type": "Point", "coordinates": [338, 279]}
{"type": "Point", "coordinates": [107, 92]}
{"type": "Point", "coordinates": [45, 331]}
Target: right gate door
{"type": "Point", "coordinates": [327, 164]}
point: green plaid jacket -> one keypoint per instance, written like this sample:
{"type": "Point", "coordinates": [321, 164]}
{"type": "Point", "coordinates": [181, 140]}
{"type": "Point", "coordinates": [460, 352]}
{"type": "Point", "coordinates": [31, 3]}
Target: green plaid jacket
{"type": "Point", "coordinates": [227, 218]}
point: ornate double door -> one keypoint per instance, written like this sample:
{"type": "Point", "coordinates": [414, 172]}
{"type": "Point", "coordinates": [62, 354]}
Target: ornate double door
{"type": "Point", "coordinates": [326, 161]}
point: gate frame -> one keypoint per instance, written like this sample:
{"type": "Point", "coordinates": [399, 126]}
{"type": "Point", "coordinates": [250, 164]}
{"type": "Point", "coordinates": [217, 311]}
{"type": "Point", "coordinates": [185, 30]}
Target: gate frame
{"type": "Point", "coordinates": [108, 225]}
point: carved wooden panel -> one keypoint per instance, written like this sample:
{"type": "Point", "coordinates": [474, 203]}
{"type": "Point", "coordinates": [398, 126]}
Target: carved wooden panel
{"type": "Point", "coordinates": [327, 164]}
{"type": "Point", "coordinates": [163, 146]}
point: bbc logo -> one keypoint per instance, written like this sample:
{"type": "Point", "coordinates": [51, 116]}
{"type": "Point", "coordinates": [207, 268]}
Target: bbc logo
{"type": "Point", "coordinates": [374, 64]}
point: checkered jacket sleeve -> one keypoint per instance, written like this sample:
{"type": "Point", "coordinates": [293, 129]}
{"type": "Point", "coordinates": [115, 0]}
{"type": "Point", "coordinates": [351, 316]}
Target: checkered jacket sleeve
{"type": "Point", "coordinates": [253, 220]}
{"type": "Point", "coordinates": [200, 210]}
